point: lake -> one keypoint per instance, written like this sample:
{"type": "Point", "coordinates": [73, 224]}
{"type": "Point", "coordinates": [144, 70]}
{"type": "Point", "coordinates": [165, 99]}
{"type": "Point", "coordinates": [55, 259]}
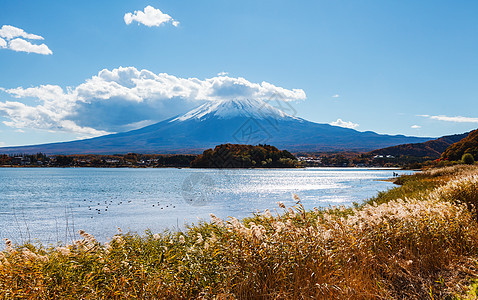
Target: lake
{"type": "Point", "coordinates": [51, 204]}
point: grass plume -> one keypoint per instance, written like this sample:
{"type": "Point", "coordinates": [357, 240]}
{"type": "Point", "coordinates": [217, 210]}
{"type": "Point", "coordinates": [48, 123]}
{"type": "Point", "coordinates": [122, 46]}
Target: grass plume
{"type": "Point", "coordinates": [416, 241]}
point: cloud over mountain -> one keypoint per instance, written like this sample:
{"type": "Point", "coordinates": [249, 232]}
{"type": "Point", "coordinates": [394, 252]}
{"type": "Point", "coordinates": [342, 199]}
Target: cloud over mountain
{"type": "Point", "coordinates": [344, 124]}
{"type": "Point", "coordinates": [456, 119]}
{"type": "Point", "coordinates": [126, 98]}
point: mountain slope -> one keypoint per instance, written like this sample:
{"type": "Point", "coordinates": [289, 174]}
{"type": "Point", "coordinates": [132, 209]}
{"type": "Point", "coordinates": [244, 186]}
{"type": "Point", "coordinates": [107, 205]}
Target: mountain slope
{"type": "Point", "coordinates": [431, 149]}
{"type": "Point", "coordinates": [232, 121]}
{"type": "Point", "coordinates": [467, 145]}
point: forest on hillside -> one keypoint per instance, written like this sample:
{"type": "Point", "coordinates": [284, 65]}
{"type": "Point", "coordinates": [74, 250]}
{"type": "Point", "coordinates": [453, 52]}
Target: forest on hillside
{"type": "Point", "coordinates": [466, 145]}
{"type": "Point", "coordinates": [245, 156]}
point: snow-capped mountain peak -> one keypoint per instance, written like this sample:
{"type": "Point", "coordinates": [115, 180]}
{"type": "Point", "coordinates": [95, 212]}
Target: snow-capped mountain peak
{"type": "Point", "coordinates": [235, 121]}
{"type": "Point", "coordinates": [228, 109]}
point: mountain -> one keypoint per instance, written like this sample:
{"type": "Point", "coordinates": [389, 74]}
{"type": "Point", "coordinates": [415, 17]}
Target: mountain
{"type": "Point", "coordinates": [232, 121]}
{"type": "Point", "coordinates": [431, 149]}
{"type": "Point", "coordinates": [467, 145]}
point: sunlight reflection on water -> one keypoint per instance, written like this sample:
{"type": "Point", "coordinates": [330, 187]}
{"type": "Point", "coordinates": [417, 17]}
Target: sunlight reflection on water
{"type": "Point", "coordinates": [50, 204]}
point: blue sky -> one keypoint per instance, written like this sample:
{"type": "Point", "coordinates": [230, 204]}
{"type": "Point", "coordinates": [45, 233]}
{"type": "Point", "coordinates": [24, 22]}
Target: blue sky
{"type": "Point", "coordinates": [396, 67]}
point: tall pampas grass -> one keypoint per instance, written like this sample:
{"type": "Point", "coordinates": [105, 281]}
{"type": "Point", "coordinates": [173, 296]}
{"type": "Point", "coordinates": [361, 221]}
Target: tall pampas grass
{"type": "Point", "coordinates": [419, 241]}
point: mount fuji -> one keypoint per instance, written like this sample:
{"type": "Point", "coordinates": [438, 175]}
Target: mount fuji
{"type": "Point", "coordinates": [228, 121]}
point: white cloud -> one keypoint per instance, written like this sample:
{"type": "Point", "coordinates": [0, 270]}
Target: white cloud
{"type": "Point", "coordinates": [9, 32]}
{"type": "Point", "coordinates": [336, 96]}
{"type": "Point", "coordinates": [149, 17]}
{"type": "Point", "coordinates": [457, 119]}
{"type": "Point", "coordinates": [344, 124]}
{"type": "Point", "coordinates": [126, 98]}
{"type": "Point", "coordinates": [39, 117]}
{"type": "Point", "coordinates": [2, 144]}
{"type": "Point", "coordinates": [13, 38]}
{"type": "Point", "coordinates": [416, 126]}
{"type": "Point", "coordinates": [20, 45]}
{"type": "Point", "coordinates": [222, 73]}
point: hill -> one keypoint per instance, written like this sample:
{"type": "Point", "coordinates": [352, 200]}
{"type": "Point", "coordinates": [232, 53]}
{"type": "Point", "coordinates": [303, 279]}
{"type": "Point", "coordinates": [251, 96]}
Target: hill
{"type": "Point", "coordinates": [231, 121]}
{"type": "Point", "coordinates": [467, 145]}
{"type": "Point", "coordinates": [430, 149]}
{"type": "Point", "coordinates": [245, 156]}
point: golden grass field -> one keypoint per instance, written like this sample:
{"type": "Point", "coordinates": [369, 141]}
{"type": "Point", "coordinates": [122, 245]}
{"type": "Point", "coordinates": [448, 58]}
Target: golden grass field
{"type": "Point", "coordinates": [416, 241]}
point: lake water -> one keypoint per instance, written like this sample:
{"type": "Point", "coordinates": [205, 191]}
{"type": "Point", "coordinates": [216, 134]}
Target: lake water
{"type": "Point", "coordinates": [51, 204]}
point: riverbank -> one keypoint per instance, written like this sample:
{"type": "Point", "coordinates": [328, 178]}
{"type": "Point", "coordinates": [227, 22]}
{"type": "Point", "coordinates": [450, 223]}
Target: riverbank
{"type": "Point", "coordinates": [418, 240]}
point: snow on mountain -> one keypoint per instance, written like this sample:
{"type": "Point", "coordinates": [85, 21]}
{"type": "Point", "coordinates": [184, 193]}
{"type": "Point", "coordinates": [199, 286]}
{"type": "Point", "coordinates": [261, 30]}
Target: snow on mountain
{"type": "Point", "coordinates": [232, 121]}
{"type": "Point", "coordinates": [228, 109]}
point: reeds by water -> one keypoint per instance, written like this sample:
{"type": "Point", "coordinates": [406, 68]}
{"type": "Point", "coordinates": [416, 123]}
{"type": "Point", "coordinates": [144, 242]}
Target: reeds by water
{"type": "Point", "coordinates": [417, 241]}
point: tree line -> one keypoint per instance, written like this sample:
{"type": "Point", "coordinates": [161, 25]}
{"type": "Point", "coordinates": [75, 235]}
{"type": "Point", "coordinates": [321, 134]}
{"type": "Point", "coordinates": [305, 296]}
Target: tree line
{"type": "Point", "coordinates": [245, 156]}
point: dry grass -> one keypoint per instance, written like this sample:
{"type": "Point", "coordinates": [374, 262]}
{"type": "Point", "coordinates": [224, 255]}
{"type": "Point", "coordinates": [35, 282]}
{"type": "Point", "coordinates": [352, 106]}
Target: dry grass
{"type": "Point", "coordinates": [421, 245]}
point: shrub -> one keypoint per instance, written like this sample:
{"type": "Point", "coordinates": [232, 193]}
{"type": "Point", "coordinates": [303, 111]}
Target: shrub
{"type": "Point", "coordinates": [468, 159]}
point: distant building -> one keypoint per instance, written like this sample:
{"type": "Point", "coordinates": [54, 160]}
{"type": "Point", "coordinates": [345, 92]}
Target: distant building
{"type": "Point", "coordinates": [309, 159]}
{"type": "Point", "coordinates": [20, 160]}
{"type": "Point", "coordinates": [111, 161]}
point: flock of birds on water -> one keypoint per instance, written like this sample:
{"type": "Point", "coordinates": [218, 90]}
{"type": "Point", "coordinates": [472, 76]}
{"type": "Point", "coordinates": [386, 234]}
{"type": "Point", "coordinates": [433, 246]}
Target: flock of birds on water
{"type": "Point", "coordinates": [98, 207]}
{"type": "Point", "coordinates": [101, 207]}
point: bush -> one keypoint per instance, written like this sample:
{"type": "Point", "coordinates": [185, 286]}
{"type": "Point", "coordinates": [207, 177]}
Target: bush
{"type": "Point", "coordinates": [468, 159]}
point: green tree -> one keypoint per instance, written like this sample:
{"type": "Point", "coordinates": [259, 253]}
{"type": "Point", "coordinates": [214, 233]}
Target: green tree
{"type": "Point", "coordinates": [63, 160]}
{"type": "Point", "coordinates": [468, 159]}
